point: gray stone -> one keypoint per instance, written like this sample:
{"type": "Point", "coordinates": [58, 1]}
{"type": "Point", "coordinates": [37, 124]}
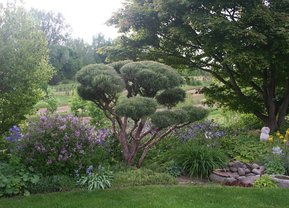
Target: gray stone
{"type": "Point", "coordinates": [221, 172]}
{"type": "Point", "coordinates": [241, 178]}
{"type": "Point", "coordinates": [233, 169]}
{"type": "Point", "coordinates": [230, 180]}
{"type": "Point", "coordinates": [237, 164]}
{"type": "Point", "coordinates": [257, 171]}
{"type": "Point", "coordinates": [250, 174]}
{"type": "Point", "coordinates": [216, 178]}
{"type": "Point", "coordinates": [249, 180]}
{"type": "Point", "coordinates": [231, 164]}
{"type": "Point", "coordinates": [262, 169]}
{"type": "Point", "coordinates": [234, 175]}
{"type": "Point", "coordinates": [241, 171]}
{"type": "Point", "coordinates": [247, 170]}
{"type": "Point", "coordinates": [282, 180]}
{"type": "Point", "coordinates": [255, 166]}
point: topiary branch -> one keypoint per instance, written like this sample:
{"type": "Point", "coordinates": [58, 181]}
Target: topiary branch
{"type": "Point", "coordinates": [150, 139]}
{"type": "Point", "coordinates": [153, 141]}
{"type": "Point", "coordinates": [133, 129]}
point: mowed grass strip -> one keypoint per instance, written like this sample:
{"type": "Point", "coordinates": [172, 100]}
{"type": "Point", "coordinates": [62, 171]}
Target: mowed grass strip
{"type": "Point", "coordinates": [157, 196]}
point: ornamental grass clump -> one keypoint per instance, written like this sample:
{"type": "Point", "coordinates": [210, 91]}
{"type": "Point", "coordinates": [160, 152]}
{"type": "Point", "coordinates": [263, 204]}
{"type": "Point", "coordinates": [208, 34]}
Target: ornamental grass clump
{"type": "Point", "coordinates": [199, 160]}
{"type": "Point", "coordinates": [59, 144]}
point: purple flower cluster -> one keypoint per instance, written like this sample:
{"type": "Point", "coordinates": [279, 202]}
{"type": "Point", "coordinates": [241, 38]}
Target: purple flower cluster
{"type": "Point", "coordinates": [89, 170]}
{"type": "Point", "coordinates": [15, 134]}
{"type": "Point", "coordinates": [205, 130]}
{"type": "Point", "coordinates": [60, 143]}
{"type": "Point", "coordinates": [102, 135]}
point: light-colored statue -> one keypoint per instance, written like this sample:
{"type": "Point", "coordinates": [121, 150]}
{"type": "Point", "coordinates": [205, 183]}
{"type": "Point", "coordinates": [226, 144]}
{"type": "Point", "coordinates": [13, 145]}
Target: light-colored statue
{"type": "Point", "coordinates": [264, 136]}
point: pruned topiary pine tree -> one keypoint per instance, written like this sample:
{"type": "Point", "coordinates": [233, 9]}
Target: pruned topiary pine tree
{"type": "Point", "coordinates": [136, 119]}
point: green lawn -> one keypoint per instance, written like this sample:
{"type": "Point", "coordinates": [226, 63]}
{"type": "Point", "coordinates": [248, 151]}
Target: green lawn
{"type": "Point", "coordinates": [157, 196]}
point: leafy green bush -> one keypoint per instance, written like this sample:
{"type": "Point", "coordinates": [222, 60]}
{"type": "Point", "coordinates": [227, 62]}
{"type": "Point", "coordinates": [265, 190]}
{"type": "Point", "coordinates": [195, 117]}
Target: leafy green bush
{"type": "Point", "coordinates": [244, 148]}
{"type": "Point", "coordinates": [80, 107]}
{"type": "Point", "coordinates": [199, 160]}
{"type": "Point", "coordinates": [239, 122]}
{"type": "Point", "coordinates": [55, 183]}
{"type": "Point", "coordinates": [141, 177]}
{"type": "Point", "coordinates": [286, 164]}
{"type": "Point", "coordinates": [265, 181]}
{"type": "Point", "coordinates": [3, 150]}
{"type": "Point", "coordinates": [274, 167]}
{"type": "Point", "coordinates": [160, 157]}
{"type": "Point", "coordinates": [173, 169]}
{"type": "Point", "coordinates": [48, 102]}
{"type": "Point", "coordinates": [15, 179]}
{"type": "Point", "coordinates": [99, 179]}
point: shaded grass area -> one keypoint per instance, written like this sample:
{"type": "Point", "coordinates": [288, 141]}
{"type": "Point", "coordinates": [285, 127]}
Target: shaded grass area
{"type": "Point", "coordinates": [157, 196]}
{"type": "Point", "coordinates": [63, 93]}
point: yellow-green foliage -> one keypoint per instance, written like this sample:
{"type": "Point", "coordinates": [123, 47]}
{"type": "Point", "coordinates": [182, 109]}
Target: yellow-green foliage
{"type": "Point", "coordinates": [265, 181]}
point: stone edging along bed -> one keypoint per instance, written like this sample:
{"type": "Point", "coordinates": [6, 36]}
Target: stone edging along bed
{"type": "Point", "coordinates": [244, 174]}
{"type": "Point", "coordinates": [238, 173]}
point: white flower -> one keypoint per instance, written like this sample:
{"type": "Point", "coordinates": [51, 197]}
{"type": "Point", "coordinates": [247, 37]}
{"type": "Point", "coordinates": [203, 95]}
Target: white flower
{"type": "Point", "coordinates": [277, 150]}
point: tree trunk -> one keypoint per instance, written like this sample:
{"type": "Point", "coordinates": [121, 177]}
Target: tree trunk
{"type": "Point", "coordinates": [133, 151]}
{"type": "Point", "coordinates": [272, 124]}
{"type": "Point", "coordinates": [123, 143]}
{"type": "Point", "coordinates": [141, 159]}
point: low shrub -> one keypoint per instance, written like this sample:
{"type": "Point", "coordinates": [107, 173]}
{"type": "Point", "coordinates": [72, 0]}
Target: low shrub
{"type": "Point", "coordinates": [141, 177]}
{"type": "Point", "coordinates": [58, 144]}
{"type": "Point", "coordinates": [15, 179]}
{"type": "Point", "coordinates": [56, 183]}
{"type": "Point", "coordinates": [265, 181]}
{"type": "Point", "coordinates": [199, 160]}
{"type": "Point", "coordinates": [244, 148]}
{"type": "Point", "coordinates": [173, 168]}
{"type": "Point", "coordinates": [274, 167]}
{"type": "Point", "coordinates": [160, 157]}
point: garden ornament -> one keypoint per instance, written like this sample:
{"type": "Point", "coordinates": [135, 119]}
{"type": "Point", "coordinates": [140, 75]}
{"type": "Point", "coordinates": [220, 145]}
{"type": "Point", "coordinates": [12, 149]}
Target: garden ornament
{"type": "Point", "coordinates": [264, 134]}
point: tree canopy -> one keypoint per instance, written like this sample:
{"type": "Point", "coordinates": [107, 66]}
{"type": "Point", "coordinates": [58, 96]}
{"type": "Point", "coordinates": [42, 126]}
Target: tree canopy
{"type": "Point", "coordinates": [125, 91]}
{"type": "Point", "coordinates": [243, 44]}
{"type": "Point", "coordinates": [23, 65]}
{"type": "Point", "coordinates": [53, 25]}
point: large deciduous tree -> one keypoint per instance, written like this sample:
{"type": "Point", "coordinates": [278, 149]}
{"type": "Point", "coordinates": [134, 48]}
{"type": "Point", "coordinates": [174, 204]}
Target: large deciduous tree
{"type": "Point", "coordinates": [243, 44]}
{"type": "Point", "coordinates": [135, 119]}
{"type": "Point", "coordinates": [23, 65]}
{"type": "Point", "coordinates": [56, 30]}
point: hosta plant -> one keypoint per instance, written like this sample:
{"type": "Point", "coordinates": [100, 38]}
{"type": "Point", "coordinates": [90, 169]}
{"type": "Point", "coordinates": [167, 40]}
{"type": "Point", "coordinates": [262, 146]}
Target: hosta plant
{"type": "Point", "coordinates": [96, 179]}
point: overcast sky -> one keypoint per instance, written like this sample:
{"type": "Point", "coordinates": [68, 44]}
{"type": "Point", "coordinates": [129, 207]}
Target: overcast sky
{"type": "Point", "coordinates": [86, 17]}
